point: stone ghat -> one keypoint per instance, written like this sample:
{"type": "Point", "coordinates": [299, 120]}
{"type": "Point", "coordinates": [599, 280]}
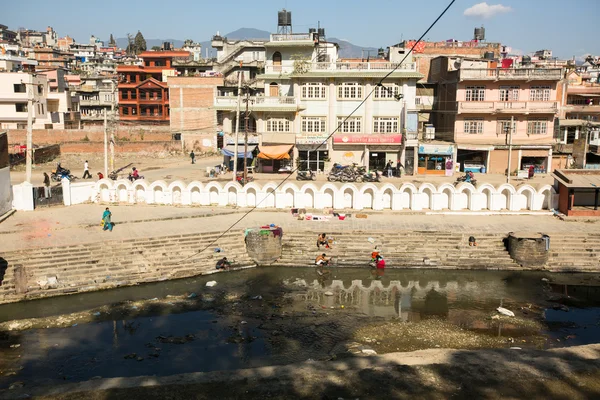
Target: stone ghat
{"type": "Point", "coordinates": [484, 197]}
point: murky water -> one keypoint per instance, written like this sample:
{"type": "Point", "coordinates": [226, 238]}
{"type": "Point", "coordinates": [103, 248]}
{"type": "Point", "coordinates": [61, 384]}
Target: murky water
{"type": "Point", "coordinates": [271, 316]}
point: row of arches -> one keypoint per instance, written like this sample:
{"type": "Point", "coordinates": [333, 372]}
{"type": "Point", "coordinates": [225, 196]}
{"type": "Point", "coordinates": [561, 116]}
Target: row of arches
{"type": "Point", "coordinates": [348, 196]}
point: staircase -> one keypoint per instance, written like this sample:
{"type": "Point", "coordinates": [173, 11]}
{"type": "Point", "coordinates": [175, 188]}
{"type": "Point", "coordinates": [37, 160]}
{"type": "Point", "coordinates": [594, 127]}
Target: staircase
{"type": "Point", "coordinates": [89, 267]}
{"type": "Point", "coordinates": [401, 250]}
{"type": "Point", "coordinates": [574, 252]}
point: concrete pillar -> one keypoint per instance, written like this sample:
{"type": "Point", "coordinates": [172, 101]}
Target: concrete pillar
{"type": "Point", "coordinates": [576, 132]}
{"type": "Point", "coordinates": [66, 188]}
{"type": "Point", "coordinates": [23, 197]}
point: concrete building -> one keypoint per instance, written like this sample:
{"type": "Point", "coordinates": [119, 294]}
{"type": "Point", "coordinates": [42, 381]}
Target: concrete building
{"type": "Point", "coordinates": [97, 96]}
{"type": "Point", "coordinates": [52, 58]}
{"type": "Point", "coordinates": [143, 91]}
{"type": "Point", "coordinates": [7, 35]}
{"type": "Point", "coordinates": [63, 106]}
{"type": "Point", "coordinates": [309, 92]}
{"type": "Point", "coordinates": [15, 89]}
{"type": "Point", "coordinates": [12, 63]}
{"type": "Point", "coordinates": [477, 99]}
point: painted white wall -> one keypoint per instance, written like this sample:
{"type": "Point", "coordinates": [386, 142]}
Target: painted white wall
{"type": "Point", "coordinates": [23, 197]}
{"type": "Point", "coordinates": [5, 191]}
{"type": "Point", "coordinates": [426, 197]}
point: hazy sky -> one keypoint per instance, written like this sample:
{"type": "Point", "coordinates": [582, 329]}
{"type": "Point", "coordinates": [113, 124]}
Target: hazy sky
{"type": "Point", "coordinates": [566, 27]}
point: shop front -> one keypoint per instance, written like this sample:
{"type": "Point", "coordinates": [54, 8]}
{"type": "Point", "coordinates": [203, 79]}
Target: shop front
{"type": "Point", "coordinates": [473, 158]}
{"type": "Point", "coordinates": [313, 153]}
{"type": "Point", "coordinates": [536, 158]}
{"type": "Point", "coordinates": [371, 151]}
{"type": "Point", "coordinates": [275, 158]}
{"type": "Point", "coordinates": [229, 155]}
{"type": "Point", "coordinates": [436, 159]}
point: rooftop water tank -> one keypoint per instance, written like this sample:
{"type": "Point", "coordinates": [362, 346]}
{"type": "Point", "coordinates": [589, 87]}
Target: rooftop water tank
{"type": "Point", "coordinates": [284, 18]}
{"type": "Point", "coordinates": [479, 33]}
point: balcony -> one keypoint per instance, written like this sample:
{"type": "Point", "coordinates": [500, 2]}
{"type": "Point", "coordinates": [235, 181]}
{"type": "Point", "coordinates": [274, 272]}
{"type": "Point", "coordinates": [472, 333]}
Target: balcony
{"type": "Point", "coordinates": [510, 74]}
{"type": "Point", "coordinates": [72, 116]}
{"type": "Point", "coordinates": [93, 102]}
{"type": "Point", "coordinates": [339, 67]}
{"type": "Point", "coordinates": [582, 108]}
{"type": "Point", "coordinates": [259, 103]}
{"type": "Point", "coordinates": [509, 107]}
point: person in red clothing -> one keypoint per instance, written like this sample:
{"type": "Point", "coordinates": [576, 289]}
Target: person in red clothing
{"type": "Point", "coordinates": [379, 265]}
{"type": "Point", "coordinates": [100, 175]}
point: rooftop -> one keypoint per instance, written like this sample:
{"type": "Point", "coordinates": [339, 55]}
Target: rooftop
{"type": "Point", "coordinates": [578, 178]}
{"type": "Point", "coordinates": [163, 54]}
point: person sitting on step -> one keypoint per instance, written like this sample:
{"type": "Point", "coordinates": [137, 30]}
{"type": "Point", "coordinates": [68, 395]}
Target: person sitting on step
{"type": "Point", "coordinates": [223, 264]}
{"type": "Point", "coordinates": [322, 241]}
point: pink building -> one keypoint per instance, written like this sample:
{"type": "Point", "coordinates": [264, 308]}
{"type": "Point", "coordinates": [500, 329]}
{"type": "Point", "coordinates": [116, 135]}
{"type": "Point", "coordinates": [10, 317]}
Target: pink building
{"type": "Point", "coordinates": [478, 99]}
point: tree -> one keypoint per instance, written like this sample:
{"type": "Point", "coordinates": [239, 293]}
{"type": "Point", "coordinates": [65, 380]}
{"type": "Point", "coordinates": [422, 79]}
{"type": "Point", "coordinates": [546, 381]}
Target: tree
{"type": "Point", "coordinates": [111, 41]}
{"type": "Point", "coordinates": [130, 45]}
{"type": "Point", "coordinates": [139, 42]}
{"type": "Point", "coordinates": [155, 48]}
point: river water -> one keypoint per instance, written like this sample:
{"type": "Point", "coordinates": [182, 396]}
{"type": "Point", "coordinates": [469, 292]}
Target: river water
{"type": "Point", "coordinates": [270, 316]}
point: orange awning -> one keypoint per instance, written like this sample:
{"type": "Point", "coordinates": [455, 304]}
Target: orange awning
{"type": "Point", "coordinates": [275, 152]}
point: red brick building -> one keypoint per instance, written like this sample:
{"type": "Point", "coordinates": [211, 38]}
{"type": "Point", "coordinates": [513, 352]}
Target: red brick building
{"type": "Point", "coordinates": [143, 91]}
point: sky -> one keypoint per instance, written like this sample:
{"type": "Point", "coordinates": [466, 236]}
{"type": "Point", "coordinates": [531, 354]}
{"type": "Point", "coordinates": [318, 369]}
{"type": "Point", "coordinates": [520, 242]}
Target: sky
{"type": "Point", "coordinates": [566, 27]}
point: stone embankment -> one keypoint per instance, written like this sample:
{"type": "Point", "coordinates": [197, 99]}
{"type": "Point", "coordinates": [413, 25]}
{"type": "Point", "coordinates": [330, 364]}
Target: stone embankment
{"type": "Point", "coordinates": [54, 271]}
{"type": "Point", "coordinates": [41, 272]}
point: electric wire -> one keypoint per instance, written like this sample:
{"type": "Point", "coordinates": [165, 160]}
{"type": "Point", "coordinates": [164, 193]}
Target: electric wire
{"type": "Point", "coordinates": [324, 142]}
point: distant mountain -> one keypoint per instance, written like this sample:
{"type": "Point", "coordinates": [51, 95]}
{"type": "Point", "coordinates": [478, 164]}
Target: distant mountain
{"type": "Point", "coordinates": [347, 49]}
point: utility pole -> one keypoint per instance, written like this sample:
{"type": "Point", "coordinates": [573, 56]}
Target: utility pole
{"type": "Point", "coordinates": [510, 133]}
{"type": "Point", "coordinates": [113, 121]}
{"type": "Point", "coordinates": [237, 125]}
{"type": "Point", "coordinates": [246, 120]}
{"type": "Point", "coordinates": [28, 155]}
{"type": "Point", "coordinates": [105, 145]}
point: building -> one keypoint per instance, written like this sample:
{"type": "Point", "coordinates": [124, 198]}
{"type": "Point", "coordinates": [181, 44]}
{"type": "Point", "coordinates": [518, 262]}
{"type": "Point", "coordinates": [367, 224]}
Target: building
{"type": "Point", "coordinates": [192, 112]}
{"type": "Point", "coordinates": [15, 89]}
{"type": "Point", "coordinates": [52, 58]}
{"type": "Point", "coordinates": [5, 187]}
{"type": "Point", "coordinates": [12, 63]}
{"type": "Point", "coordinates": [63, 106]}
{"type": "Point", "coordinates": [7, 35]}
{"type": "Point", "coordinates": [578, 192]}
{"type": "Point", "coordinates": [307, 92]}
{"type": "Point", "coordinates": [478, 99]}
{"type": "Point", "coordinates": [143, 90]}
{"type": "Point", "coordinates": [97, 97]}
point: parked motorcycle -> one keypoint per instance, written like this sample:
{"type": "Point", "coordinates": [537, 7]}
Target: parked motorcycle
{"type": "Point", "coordinates": [58, 174]}
{"type": "Point", "coordinates": [346, 173]}
{"type": "Point", "coordinates": [239, 178]}
{"type": "Point", "coordinates": [468, 178]}
{"type": "Point", "coordinates": [306, 176]}
{"type": "Point", "coordinates": [371, 177]}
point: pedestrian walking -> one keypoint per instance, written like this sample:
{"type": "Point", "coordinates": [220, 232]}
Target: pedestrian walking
{"type": "Point", "coordinates": [193, 157]}
{"type": "Point", "coordinates": [47, 188]}
{"type": "Point", "coordinates": [390, 168]}
{"type": "Point", "coordinates": [107, 220]}
{"type": "Point", "coordinates": [86, 170]}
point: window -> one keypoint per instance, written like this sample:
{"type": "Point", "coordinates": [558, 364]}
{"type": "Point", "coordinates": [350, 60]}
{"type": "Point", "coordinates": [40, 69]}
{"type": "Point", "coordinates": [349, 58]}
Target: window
{"type": "Point", "coordinates": [40, 108]}
{"type": "Point", "coordinates": [385, 125]}
{"type": "Point", "coordinates": [125, 110]}
{"type": "Point", "coordinates": [20, 88]}
{"type": "Point", "coordinates": [314, 124]}
{"type": "Point", "coordinates": [474, 125]}
{"type": "Point", "coordinates": [537, 127]}
{"type": "Point", "coordinates": [314, 91]}
{"type": "Point", "coordinates": [352, 125]}
{"type": "Point", "coordinates": [387, 92]}
{"type": "Point", "coordinates": [21, 107]}
{"type": "Point", "coordinates": [509, 93]}
{"type": "Point", "coordinates": [350, 91]}
{"type": "Point", "coordinates": [278, 125]}
{"type": "Point", "coordinates": [539, 93]}
{"type": "Point", "coordinates": [504, 127]}
{"type": "Point", "coordinates": [475, 93]}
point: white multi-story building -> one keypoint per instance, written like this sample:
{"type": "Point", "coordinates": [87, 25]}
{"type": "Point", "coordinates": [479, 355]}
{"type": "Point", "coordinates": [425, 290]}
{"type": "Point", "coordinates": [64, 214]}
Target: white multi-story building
{"type": "Point", "coordinates": [309, 93]}
{"type": "Point", "coordinates": [15, 90]}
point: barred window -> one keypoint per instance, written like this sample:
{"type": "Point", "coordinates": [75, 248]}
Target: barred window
{"type": "Point", "coordinates": [385, 125]}
{"type": "Point", "coordinates": [314, 91]}
{"type": "Point", "coordinates": [474, 125]}
{"type": "Point", "coordinates": [278, 125]}
{"type": "Point", "coordinates": [539, 93]}
{"type": "Point", "coordinates": [352, 125]}
{"type": "Point", "coordinates": [350, 90]}
{"type": "Point", "coordinates": [509, 93]}
{"type": "Point", "coordinates": [504, 127]}
{"type": "Point", "coordinates": [314, 124]}
{"type": "Point", "coordinates": [475, 93]}
{"type": "Point", "coordinates": [387, 92]}
{"type": "Point", "coordinates": [537, 127]}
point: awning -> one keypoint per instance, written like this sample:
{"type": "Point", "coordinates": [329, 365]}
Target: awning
{"type": "Point", "coordinates": [229, 151]}
{"type": "Point", "coordinates": [275, 152]}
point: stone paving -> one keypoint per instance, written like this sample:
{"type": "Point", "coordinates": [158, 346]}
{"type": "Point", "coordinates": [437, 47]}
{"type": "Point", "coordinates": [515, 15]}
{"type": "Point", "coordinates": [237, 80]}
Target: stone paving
{"type": "Point", "coordinates": [61, 226]}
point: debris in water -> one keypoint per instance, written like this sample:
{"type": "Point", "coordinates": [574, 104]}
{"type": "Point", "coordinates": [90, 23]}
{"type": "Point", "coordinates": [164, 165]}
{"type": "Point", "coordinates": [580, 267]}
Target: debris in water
{"type": "Point", "coordinates": [328, 293]}
{"type": "Point", "coordinates": [15, 346]}
{"type": "Point", "coordinates": [130, 356]}
{"type": "Point", "coordinates": [192, 295]}
{"type": "Point", "coordinates": [74, 325]}
{"type": "Point", "coordinates": [515, 348]}
{"type": "Point", "coordinates": [369, 352]}
{"type": "Point", "coordinates": [154, 299]}
{"type": "Point", "coordinates": [97, 313]}
{"type": "Point", "coordinates": [505, 311]}
{"type": "Point", "coordinates": [243, 322]}
{"type": "Point", "coordinates": [211, 283]}
{"type": "Point", "coordinates": [259, 297]}
{"type": "Point", "coordinates": [545, 280]}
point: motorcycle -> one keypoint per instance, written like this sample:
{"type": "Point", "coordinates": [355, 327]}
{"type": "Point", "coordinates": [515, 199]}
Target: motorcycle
{"type": "Point", "coordinates": [306, 176]}
{"type": "Point", "coordinates": [133, 178]}
{"type": "Point", "coordinates": [371, 177]}
{"type": "Point", "coordinates": [468, 178]}
{"type": "Point", "coordinates": [239, 178]}
{"type": "Point", "coordinates": [58, 175]}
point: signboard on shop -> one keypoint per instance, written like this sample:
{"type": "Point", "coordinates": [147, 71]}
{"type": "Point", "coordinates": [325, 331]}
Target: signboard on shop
{"type": "Point", "coordinates": [367, 139]}
{"type": "Point", "coordinates": [311, 140]}
{"type": "Point", "coordinates": [434, 149]}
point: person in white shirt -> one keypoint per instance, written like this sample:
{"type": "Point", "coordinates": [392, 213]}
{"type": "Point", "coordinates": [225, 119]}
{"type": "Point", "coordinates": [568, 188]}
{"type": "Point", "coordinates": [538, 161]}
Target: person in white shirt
{"type": "Point", "coordinates": [86, 170]}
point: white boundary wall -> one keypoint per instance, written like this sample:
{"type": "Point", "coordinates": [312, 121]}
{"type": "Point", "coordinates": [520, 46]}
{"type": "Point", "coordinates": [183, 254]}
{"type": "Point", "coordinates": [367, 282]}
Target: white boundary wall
{"type": "Point", "coordinates": [349, 196]}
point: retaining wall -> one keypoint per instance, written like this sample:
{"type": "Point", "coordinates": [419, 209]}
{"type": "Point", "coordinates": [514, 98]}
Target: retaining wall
{"type": "Point", "coordinates": [427, 196]}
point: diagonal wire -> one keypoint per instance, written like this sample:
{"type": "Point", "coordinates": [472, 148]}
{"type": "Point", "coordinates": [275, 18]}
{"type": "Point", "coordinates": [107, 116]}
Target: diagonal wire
{"type": "Point", "coordinates": [271, 193]}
